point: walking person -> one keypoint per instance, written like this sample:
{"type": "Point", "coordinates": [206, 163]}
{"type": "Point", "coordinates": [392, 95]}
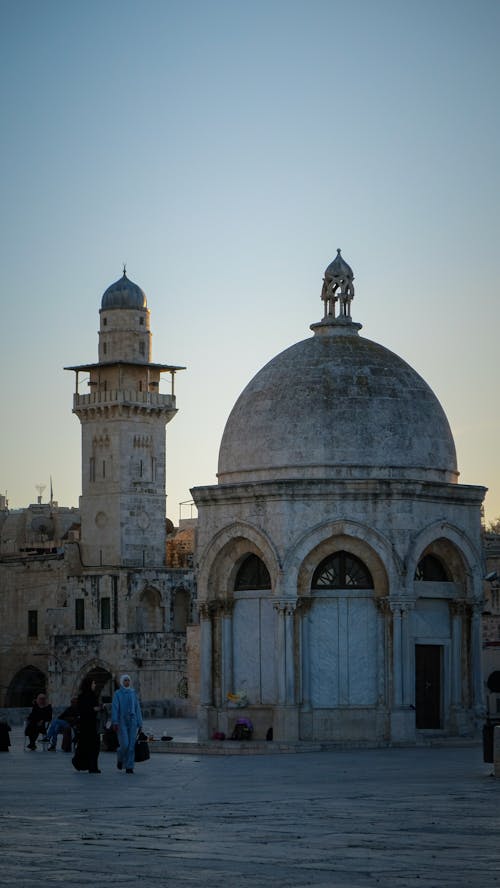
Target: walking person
{"type": "Point", "coordinates": [88, 742]}
{"type": "Point", "coordinates": [126, 717]}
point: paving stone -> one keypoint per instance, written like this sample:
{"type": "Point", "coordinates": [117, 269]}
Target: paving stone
{"type": "Point", "coordinates": [357, 818]}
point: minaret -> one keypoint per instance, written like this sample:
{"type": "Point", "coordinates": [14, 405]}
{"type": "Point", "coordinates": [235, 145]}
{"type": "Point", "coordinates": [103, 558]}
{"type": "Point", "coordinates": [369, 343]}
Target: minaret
{"type": "Point", "coordinates": [123, 421]}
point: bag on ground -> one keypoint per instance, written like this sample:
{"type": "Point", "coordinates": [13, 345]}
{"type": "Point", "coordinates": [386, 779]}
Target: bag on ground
{"type": "Point", "coordinates": [141, 748]}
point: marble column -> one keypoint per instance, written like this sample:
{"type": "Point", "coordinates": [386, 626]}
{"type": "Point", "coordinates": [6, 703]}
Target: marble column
{"type": "Point", "coordinates": [289, 658]}
{"type": "Point", "coordinates": [383, 612]}
{"type": "Point", "coordinates": [284, 651]}
{"type": "Point", "coordinates": [227, 650]}
{"type": "Point", "coordinates": [397, 675]}
{"type": "Point", "coordinates": [477, 660]}
{"type": "Point", "coordinates": [403, 672]}
{"type": "Point", "coordinates": [305, 654]}
{"type": "Point", "coordinates": [403, 678]}
{"type": "Point", "coordinates": [206, 685]}
{"type": "Point", "coordinates": [457, 610]}
{"type": "Point", "coordinates": [407, 653]}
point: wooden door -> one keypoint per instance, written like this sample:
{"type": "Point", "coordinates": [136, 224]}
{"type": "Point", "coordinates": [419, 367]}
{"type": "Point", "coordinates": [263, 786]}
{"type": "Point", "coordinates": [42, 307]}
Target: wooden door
{"type": "Point", "coordinates": [428, 660]}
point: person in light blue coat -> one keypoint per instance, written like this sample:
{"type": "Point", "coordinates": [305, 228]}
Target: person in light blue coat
{"type": "Point", "coordinates": [126, 717]}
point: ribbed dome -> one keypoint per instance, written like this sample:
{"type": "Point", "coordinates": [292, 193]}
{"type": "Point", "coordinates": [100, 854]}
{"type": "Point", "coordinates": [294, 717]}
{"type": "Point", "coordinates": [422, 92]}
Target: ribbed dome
{"type": "Point", "coordinates": [124, 294]}
{"type": "Point", "coordinates": [337, 405]}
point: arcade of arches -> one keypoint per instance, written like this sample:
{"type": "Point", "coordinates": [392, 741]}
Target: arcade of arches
{"type": "Point", "coordinates": [352, 656]}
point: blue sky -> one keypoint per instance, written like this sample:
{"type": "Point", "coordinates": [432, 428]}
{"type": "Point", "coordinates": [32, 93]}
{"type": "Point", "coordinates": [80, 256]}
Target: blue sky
{"type": "Point", "coordinates": [224, 150]}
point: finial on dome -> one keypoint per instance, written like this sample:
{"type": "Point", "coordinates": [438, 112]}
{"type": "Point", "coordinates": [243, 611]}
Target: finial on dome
{"type": "Point", "coordinates": [338, 287]}
{"type": "Point", "coordinates": [124, 270]}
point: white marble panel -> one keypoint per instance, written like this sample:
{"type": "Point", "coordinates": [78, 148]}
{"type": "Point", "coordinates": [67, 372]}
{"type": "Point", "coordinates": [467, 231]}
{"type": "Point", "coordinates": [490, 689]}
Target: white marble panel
{"type": "Point", "coordinates": [324, 652]}
{"type": "Point", "coordinates": [246, 648]}
{"type": "Point", "coordinates": [362, 652]}
{"type": "Point", "coordinates": [431, 618]}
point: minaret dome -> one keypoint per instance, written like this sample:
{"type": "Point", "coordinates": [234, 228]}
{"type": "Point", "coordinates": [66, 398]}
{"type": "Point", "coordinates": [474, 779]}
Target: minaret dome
{"type": "Point", "coordinates": [124, 294]}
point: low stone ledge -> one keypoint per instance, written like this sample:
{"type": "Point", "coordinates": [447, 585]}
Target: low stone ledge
{"type": "Point", "coordinates": [257, 747]}
{"type": "Point", "coordinates": [230, 747]}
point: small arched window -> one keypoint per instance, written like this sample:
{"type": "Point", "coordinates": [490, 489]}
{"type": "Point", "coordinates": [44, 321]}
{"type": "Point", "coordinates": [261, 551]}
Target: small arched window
{"type": "Point", "coordinates": [252, 574]}
{"type": "Point", "coordinates": [342, 571]}
{"type": "Point", "coordinates": [180, 618]}
{"type": "Point", "coordinates": [431, 569]}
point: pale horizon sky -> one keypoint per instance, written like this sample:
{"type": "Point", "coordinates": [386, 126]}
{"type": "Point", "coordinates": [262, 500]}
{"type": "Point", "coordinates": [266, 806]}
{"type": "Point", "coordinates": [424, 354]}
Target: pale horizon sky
{"type": "Point", "coordinates": [224, 150]}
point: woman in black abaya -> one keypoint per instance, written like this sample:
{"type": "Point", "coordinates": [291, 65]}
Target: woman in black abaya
{"type": "Point", "coordinates": [87, 748]}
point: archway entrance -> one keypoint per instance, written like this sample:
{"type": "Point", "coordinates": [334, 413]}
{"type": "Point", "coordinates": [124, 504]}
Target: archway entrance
{"type": "Point", "coordinates": [104, 683]}
{"type": "Point", "coordinates": [25, 686]}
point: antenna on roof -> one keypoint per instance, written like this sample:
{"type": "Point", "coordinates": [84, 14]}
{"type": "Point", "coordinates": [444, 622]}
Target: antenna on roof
{"type": "Point", "coordinates": [40, 488]}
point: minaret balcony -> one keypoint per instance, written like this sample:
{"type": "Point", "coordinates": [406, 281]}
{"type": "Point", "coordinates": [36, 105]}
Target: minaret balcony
{"type": "Point", "coordinates": [126, 397]}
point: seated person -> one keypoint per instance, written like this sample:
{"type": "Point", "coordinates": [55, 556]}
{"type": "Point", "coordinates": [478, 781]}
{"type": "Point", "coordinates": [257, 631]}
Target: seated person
{"type": "Point", "coordinates": [38, 719]}
{"type": "Point", "coordinates": [67, 719]}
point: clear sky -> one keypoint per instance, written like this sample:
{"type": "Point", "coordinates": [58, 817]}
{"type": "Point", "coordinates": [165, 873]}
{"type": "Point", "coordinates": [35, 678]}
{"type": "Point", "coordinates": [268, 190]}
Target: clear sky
{"type": "Point", "coordinates": [224, 150]}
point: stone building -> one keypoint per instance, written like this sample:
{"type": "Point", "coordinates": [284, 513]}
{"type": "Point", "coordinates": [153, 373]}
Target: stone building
{"type": "Point", "coordinates": [33, 574]}
{"type": "Point", "coordinates": [105, 598]}
{"type": "Point", "coordinates": [491, 624]}
{"type": "Point", "coordinates": [339, 561]}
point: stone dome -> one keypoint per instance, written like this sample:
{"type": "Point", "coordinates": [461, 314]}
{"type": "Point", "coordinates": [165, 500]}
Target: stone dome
{"type": "Point", "coordinates": [337, 405]}
{"type": "Point", "coordinates": [124, 294]}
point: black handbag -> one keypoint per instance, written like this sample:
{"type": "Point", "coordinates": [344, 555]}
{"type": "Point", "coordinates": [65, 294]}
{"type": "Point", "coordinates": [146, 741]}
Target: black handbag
{"type": "Point", "coordinates": [141, 748]}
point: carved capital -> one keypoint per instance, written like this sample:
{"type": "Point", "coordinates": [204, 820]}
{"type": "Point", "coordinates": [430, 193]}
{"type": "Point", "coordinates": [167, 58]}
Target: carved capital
{"type": "Point", "coordinates": [401, 607]}
{"type": "Point", "coordinates": [226, 607]}
{"type": "Point", "coordinates": [206, 609]}
{"type": "Point", "coordinates": [285, 608]}
{"type": "Point", "coordinates": [383, 605]}
{"type": "Point", "coordinates": [459, 608]}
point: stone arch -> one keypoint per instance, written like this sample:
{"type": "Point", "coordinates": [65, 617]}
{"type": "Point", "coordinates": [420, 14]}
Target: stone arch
{"type": "Point", "coordinates": [149, 613]}
{"type": "Point", "coordinates": [26, 684]}
{"type": "Point", "coordinates": [252, 574]}
{"type": "Point", "coordinates": [371, 547]}
{"type": "Point", "coordinates": [450, 544]}
{"type": "Point", "coordinates": [103, 676]}
{"type": "Point", "coordinates": [222, 559]}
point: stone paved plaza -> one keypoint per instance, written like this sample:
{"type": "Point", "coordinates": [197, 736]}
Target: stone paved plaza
{"type": "Point", "coordinates": [411, 818]}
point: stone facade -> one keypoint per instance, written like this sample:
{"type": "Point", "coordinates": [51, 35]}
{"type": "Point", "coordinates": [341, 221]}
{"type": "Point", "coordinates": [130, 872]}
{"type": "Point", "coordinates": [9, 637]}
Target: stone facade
{"type": "Point", "coordinates": [491, 624]}
{"type": "Point", "coordinates": [92, 590]}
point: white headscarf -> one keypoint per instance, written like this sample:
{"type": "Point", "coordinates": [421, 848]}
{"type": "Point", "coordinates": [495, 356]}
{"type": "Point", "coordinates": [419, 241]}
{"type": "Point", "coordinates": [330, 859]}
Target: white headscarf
{"type": "Point", "coordinates": [122, 685]}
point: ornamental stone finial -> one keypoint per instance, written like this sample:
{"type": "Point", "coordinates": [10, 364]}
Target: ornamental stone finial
{"type": "Point", "coordinates": [338, 287]}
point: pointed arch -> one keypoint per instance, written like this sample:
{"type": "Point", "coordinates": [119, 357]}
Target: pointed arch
{"type": "Point", "coordinates": [102, 674]}
{"type": "Point", "coordinates": [26, 684]}
{"type": "Point", "coordinates": [453, 547]}
{"type": "Point", "coordinates": [252, 574]}
{"type": "Point", "coordinates": [370, 546]}
{"type": "Point", "coordinates": [222, 559]}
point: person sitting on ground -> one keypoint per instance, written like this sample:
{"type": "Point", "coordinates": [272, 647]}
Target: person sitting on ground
{"type": "Point", "coordinates": [67, 719]}
{"type": "Point", "coordinates": [38, 720]}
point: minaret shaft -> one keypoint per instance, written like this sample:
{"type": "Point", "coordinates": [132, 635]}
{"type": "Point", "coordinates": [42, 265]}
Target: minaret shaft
{"type": "Point", "coordinates": [123, 419]}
